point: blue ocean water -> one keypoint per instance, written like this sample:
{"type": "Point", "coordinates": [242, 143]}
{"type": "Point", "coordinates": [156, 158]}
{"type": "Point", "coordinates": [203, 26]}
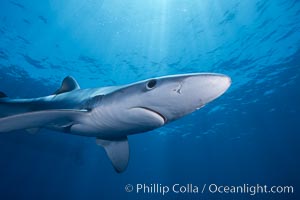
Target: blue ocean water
{"type": "Point", "coordinates": [250, 135]}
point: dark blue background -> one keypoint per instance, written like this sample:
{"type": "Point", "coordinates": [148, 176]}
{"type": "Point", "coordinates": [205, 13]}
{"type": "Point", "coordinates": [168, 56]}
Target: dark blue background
{"type": "Point", "coordinates": [248, 136]}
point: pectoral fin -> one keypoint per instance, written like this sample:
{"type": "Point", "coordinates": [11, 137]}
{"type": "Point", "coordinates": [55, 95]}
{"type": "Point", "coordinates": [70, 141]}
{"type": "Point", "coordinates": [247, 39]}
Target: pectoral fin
{"type": "Point", "coordinates": [39, 119]}
{"type": "Point", "coordinates": [117, 151]}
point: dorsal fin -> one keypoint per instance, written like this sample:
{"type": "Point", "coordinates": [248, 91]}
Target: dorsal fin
{"type": "Point", "coordinates": [2, 95]}
{"type": "Point", "coordinates": [68, 84]}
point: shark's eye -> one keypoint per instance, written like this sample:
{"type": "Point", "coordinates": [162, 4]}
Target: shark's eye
{"type": "Point", "coordinates": [151, 84]}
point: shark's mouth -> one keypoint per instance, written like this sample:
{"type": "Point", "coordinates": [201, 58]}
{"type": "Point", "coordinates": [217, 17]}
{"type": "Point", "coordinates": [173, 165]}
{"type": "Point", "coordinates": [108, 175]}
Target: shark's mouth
{"type": "Point", "coordinates": [157, 113]}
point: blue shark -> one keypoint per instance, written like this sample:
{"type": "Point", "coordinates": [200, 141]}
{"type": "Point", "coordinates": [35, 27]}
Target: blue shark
{"type": "Point", "coordinates": [111, 114]}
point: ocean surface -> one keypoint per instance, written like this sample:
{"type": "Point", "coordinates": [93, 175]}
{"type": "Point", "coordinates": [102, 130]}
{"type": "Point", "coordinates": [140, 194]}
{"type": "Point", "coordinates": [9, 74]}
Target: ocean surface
{"type": "Point", "coordinates": [250, 135]}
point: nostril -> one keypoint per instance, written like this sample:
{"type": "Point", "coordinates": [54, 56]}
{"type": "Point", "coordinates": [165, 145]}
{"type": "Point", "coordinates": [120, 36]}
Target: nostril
{"type": "Point", "coordinates": [178, 90]}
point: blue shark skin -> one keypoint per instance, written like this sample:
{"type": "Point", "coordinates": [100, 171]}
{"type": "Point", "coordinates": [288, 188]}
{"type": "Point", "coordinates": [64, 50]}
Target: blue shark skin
{"type": "Point", "coordinates": [110, 114]}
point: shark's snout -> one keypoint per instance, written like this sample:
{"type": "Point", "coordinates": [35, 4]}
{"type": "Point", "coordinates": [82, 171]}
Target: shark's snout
{"type": "Point", "coordinates": [204, 88]}
{"type": "Point", "coordinates": [176, 96]}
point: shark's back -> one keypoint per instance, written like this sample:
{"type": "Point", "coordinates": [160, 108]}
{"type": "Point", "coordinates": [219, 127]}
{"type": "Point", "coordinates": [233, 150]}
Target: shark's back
{"type": "Point", "coordinates": [68, 96]}
{"type": "Point", "coordinates": [10, 106]}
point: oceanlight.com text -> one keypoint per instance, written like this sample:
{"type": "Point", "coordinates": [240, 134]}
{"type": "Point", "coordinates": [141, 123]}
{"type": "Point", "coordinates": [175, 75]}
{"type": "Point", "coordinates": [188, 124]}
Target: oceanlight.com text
{"type": "Point", "coordinates": [248, 189]}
